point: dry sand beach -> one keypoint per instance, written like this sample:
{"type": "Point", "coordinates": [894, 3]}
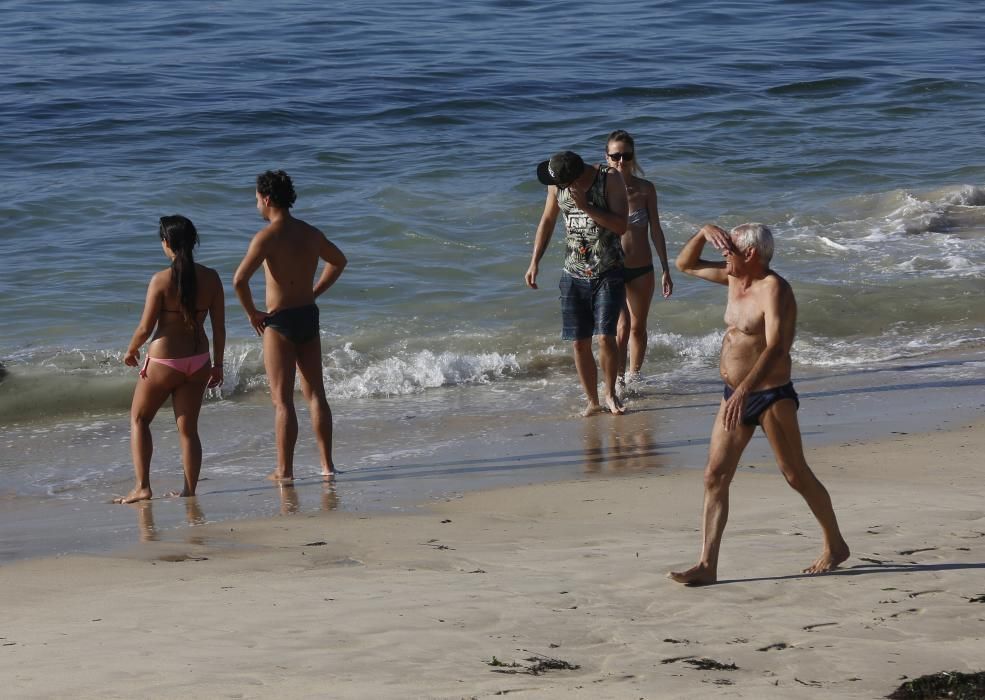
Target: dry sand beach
{"type": "Point", "coordinates": [442, 603]}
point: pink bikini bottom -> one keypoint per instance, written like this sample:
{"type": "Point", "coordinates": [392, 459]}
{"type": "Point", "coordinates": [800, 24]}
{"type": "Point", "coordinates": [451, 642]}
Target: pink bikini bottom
{"type": "Point", "coordinates": [188, 365]}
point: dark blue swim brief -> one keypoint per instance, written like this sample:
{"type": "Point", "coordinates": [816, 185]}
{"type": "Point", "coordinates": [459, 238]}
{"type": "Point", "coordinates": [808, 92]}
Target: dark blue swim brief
{"type": "Point", "coordinates": [759, 401]}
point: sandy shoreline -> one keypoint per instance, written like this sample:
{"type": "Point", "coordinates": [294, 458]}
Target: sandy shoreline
{"type": "Point", "coordinates": [56, 480]}
{"type": "Point", "coordinates": [335, 604]}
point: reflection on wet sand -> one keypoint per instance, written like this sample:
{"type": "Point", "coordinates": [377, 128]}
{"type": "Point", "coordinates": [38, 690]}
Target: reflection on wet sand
{"type": "Point", "coordinates": [290, 503]}
{"type": "Point", "coordinates": [193, 511]}
{"type": "Point", "coordinates": [329, 499]}
{"type": "Point", "coordinates": [145, 521]}
{"type": "Point", "coordinates": [618, 449]}
{"type": "Point", "coordinates": [147, 530]}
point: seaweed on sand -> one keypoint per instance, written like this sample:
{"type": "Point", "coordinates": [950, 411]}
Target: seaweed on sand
{"type": "Point", "coordinates": [710, 665]}
{"type": "Point", "coordinates": [953, 685]}
{"type": "Point", "coordinates": [537, 665]}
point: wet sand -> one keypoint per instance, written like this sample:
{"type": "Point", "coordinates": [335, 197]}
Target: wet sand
{"type": "Point", "coordinates": [400, 454]}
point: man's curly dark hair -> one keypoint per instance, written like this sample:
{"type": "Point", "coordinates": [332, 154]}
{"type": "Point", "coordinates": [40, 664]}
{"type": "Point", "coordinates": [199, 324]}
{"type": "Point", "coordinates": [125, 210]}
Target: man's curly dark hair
{"type": "Point", "coordinates": [277, 185]}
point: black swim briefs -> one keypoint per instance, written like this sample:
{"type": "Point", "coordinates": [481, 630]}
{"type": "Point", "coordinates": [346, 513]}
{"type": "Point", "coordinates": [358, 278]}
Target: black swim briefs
{"type": "Point", "coordinates": [759, 401]}
{"type": "Point", "coordinates": [298, 324]}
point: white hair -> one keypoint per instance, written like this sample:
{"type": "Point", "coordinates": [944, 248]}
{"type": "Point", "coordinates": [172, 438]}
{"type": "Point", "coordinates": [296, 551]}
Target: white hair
{"type": "Point", "coordinates": [756, 236]}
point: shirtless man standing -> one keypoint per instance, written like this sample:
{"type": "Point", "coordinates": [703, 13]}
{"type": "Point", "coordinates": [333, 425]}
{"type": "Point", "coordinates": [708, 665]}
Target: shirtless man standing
{"type": "Point", "coordinates": [289, 249]}
{"type": "Point", "coordinates": [755, 365]}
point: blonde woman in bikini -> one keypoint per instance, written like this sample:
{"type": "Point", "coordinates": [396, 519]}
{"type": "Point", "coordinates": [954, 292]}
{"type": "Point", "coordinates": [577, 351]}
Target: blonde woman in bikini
{"type": "Point", "coordinates": [620, 153]}
{"type": "Point", "coordinates": [178, 364]}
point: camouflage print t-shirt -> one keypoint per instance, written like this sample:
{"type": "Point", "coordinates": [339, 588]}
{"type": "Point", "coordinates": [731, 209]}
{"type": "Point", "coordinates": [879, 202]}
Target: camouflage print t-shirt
{"type": "Point", "coordinates": [591, 249]}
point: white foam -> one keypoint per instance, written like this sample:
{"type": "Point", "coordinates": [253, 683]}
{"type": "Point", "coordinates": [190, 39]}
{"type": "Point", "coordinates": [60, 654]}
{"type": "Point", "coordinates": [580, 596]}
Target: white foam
{"type": "Point", "coordinates": [397, 376]}
{"type": "Point", "coordinates": [831, 244]}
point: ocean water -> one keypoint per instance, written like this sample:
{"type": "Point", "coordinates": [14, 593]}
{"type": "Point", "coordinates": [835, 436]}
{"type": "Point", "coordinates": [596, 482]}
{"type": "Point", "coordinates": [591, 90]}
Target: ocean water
{"type": "Point", "coordinates": [412, 130]}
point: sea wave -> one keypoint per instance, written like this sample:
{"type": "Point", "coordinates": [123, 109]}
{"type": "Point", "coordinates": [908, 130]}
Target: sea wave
{"type": "Point", "coordinates": [72, 382]}
{"type": "Point", "coordinates": [76, 382]}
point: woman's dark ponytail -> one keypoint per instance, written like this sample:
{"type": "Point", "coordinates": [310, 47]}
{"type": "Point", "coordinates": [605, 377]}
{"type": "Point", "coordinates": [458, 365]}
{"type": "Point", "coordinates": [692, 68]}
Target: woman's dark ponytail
{"type": "Point", "coordinates": [180, 235]}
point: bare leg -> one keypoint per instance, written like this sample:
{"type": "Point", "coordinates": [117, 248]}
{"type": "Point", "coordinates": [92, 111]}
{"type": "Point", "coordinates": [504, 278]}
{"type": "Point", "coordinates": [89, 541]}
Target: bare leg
{"type": "Point", "coordinates": [609, 358]}
{"type": "Point", "coordinates": [783, 431]}
{"type": "Point", "coordinates": [279, 357]}
{"type": "Point", "coordinates": [639, 294]}
{"type": "Point", "coordinates": [723, 458]}
{"type": "Point", "coordinates": [148, 397]}
{"type": "Point", "coordinates": [622, 341]}
{"type": "Point", "coordinates": [187, 404]}
{"type": "Point", "coordinates": [313, 387]}
{"type": "Point", "coordinates": [587, 374]}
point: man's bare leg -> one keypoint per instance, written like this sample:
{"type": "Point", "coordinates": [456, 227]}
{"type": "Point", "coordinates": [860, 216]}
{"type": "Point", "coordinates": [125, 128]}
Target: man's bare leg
{"type": "Point", "coordinates": [609, 358]}
{"type": "Point", "coordinates": [783, 431]}
{"type": "Point", "coordinates": [723, 458]}
{"type": "Point", "coordinates": [313, 387]}
{"type": "Point", "coordinates": [587, 374]}
{"type": "Point", "coordinates": [279, 357]}
{"type": "Point", "coordinates": [148, 397]}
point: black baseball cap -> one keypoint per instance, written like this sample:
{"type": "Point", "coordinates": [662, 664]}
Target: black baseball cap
{"type": "Point", "coordinates": [562, 169]}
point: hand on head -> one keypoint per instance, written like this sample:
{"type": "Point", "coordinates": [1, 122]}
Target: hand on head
{"type": "Point", "coordinates": [578, 195]}
{"type": "Point", "coordinates": [719, 238]}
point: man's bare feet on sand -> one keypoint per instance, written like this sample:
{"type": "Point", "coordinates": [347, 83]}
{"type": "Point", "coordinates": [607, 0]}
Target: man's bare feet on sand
{"type": "Point", "coordinates": [828, 560]}
{"type": "Point", "coordinates": [134, 496]}
{"type": "Point", "coordinates": [277, 475]}
{"type": "Point", "coordinates": [699, 575]}
{"type": "Point", "coordinates": [614, 405]}
{"type": "Point", "coordinates": [591, 409]}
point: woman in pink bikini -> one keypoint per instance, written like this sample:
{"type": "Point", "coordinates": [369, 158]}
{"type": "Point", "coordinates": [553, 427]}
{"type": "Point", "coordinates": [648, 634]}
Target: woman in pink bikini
{"type": "Point", "coordinates": [177, 364]}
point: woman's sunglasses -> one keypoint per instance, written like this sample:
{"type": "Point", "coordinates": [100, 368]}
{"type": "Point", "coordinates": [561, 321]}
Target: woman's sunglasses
{"type": "Point", "coordinates": [620, 156]}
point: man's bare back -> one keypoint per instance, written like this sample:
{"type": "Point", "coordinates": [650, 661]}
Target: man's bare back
{"type": "Point", "coordinates": [290, 250]}
{"type": "Point", "coordinates": [292, 253]}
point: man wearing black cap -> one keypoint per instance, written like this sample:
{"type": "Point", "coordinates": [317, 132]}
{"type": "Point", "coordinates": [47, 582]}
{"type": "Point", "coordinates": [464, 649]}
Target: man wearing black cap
{"type": "Point", "coordinates": [593, 201]}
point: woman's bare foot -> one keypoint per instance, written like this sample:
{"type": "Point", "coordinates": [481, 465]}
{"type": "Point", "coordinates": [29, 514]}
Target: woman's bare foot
{"type": "Point", "coordinates": [591, 409]}
{"type": "Point", "coordinates": [614, 405]}
{"type": "Point", "coordinates": [829, 560]}
{"type": "Point", "coordinates": [278, 475]}
{"type": "Point", "coordinates": [699, 575]}
{"type": "Point", "coordinates": [134, 496]}
{"type": "Point", "coordinates": [329, 474]}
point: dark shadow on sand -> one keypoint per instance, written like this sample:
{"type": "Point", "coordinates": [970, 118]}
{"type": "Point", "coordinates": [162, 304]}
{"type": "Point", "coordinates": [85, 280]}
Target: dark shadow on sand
{"type": "Point", "coordinates": [550, 460]}
{"type": "Point", "coordinates": [862, 570]}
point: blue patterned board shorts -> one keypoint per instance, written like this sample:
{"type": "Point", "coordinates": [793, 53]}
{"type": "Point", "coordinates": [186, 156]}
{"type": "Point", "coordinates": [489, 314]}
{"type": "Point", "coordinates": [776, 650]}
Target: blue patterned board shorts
{"type": "Point", "coordinates": [591, 306]}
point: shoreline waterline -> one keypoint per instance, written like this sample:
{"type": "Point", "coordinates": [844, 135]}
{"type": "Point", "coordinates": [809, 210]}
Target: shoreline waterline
{"type": "Point", "coordinates": [400, 454]}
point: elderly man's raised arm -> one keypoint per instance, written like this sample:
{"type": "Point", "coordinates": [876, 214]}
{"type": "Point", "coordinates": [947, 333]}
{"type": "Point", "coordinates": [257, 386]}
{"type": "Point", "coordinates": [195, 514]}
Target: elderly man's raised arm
{"type": "Point", "coordinates": [690, 262]}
